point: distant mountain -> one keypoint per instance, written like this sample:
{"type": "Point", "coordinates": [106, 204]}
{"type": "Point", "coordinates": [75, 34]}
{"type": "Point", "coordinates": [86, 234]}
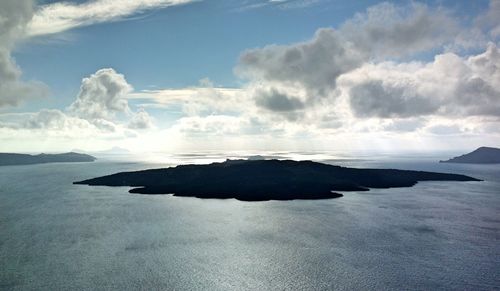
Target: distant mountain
{"type": "Point", "coordinates": [258, 180]}
{"type": "Point", "coordinates": [7, 159]}
{"type": "Point", "coordinates": [111, 151]}
{"type": "Point", "coordinates": [115, 151]}
{"type": "Point", "coordinates": [483, 155]}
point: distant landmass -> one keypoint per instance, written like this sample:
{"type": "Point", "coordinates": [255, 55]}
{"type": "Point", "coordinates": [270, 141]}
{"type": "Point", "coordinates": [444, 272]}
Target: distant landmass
{"type": "Point", "coordinates": [482, 155]}
{"type": "Point", "coordinates": [111, 151]}
{"type": "Point", "coordinates": [115, 151]}
{"type": "Point", "coordinates": [8, 159]}
{"type": "Point", "coordinates": [259, 180]}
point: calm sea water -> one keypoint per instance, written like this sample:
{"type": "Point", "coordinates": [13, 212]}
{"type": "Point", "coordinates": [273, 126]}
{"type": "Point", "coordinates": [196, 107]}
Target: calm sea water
{"type": "Point", "coordinates": [436, 235]}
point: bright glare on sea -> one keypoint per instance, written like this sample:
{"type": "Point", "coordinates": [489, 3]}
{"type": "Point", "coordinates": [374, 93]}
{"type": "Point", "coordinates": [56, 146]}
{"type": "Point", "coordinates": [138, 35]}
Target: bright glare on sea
{"type": "Point", "coordinates": [59, 236]}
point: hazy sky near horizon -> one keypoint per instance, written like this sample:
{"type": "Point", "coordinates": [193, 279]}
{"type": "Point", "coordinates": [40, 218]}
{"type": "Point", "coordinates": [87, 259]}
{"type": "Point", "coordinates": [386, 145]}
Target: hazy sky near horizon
{"type": "Point", "coordinates": [185, 75]}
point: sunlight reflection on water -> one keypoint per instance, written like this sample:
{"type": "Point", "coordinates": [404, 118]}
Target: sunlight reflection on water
{"type": "Point", "coordinates": [55, 235]}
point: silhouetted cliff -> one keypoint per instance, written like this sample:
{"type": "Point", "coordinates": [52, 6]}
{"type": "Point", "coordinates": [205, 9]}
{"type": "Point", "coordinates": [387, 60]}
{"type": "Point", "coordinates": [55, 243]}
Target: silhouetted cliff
{"type": "Point", "coordinates": [256, 180]}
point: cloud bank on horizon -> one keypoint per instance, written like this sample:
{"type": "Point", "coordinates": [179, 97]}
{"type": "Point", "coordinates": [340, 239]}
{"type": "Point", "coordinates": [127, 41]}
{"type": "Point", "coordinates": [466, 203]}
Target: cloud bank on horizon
{"type": "Point", "coordinates": [363, 81]}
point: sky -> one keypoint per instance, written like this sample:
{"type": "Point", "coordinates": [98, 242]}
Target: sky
{"type": "Point", "coordinates": [264, 75]}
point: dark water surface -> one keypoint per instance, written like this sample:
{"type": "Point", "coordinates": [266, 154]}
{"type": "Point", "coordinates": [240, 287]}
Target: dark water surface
{"type": "Point", "coordinates": [436, 235]}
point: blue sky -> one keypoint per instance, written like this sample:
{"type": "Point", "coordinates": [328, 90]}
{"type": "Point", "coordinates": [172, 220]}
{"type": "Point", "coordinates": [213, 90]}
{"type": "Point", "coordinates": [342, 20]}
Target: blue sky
{"type": "Point", "coordinates": [175, 45]}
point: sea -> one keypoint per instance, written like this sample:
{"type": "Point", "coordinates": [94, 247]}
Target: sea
{"type": "Point", "coordinates": [434, 236]}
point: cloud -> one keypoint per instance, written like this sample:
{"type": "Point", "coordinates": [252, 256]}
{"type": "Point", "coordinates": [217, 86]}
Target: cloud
{"type": "Point", "coordinates": [314, 64]}
{"type": "Point", "coordinates": [490, 20]}
{"type": "Point", "coordinates": [372, 98]}
{"type": "Point", "coordinates": [405, 125]}
{"type": "Point", "coordinates": [18, 20]}
{"type": "Point", "coordinates": [280, 102]}
{"type": "Point", "coordinates": [445, 129]}
{"type": "Point", "coordinates": [141, 120]}
{"type": "Point", "coordinates": [293, 4]}
{"type": "Point", "coordinates": [102, 95]}
{"type": "Point", "coordinates": [192, 101]}
{"type": "Point", "coordinates": [13, 90]}
{"type": "Point", "coordinates": [383, 96]}
{"type": "Point", "coordinates": [281, 4]}
{"type": "Point", "coordinates": [105, 125]}
{"type": "Point", "coordinates": [102, 101]}
{"type": "Point", "coordinates": [59, 121]}
{"type": "Point", "coordinates": [313, 67]}
{"type": "Point", "coordinates": [14, 15]}
{"type": "Point", "coordinates": [56, 130]}
{"type": "Point", "coordinates": [62, 16]}
{"type": "Point", "coordinates": [451, 86]}
{"type": "Point", "coordinates": [354, 84]}
{"type": "Point", "coordinates": [276, 101]}
{"type": "Point", "coordinates": [53, 119]}
{"type": "Point", "coordinates": [391, 30]}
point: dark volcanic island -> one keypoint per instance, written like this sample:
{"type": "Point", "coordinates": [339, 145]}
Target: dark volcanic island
{"type": "Point", "coordinates": [259, 180]}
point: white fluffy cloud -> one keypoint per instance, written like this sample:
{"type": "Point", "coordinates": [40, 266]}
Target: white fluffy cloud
{"type": "Point", "coordinates": [141, 120]}
{"type": "Point", "coordinates": [56, 123]}
{"type": "Point", "coordinates": [103, 101]}
{"type": "Point", "coordinates": [450, 92]}
{"type": "Point", "coordinates": [346, 85]}
{"type": "Point", "coordinates": [61, 16]}
{"type": "Point", "coordinates": [449, 86]}
{"type": "Point", "coordinates": [342, 81]}
{"type": "Point", "coordinates": [102, 95]}
{"type": "Point", "coordinates": [298, 79]}
{"type": "Point", "coordinates": [56, 120]}
{"type": "Point", "coordinates": [383, 30]}
{"type": "Point", "coordinates": [18, 20]}
{"type": "Point", "coordinates": [314, 64]}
